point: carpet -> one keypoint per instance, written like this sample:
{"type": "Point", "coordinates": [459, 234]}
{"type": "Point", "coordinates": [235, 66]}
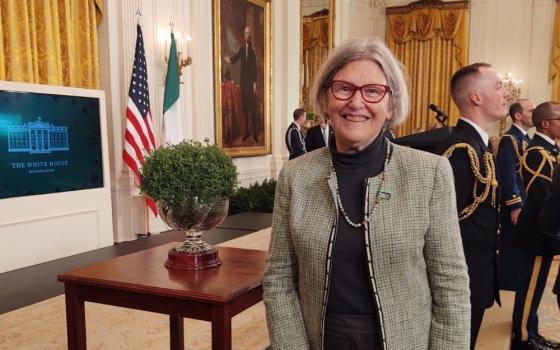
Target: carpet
{"type": "Point", "coordinates": [43, 325]}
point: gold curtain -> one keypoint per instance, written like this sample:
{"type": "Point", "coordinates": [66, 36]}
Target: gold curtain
{"type": "Point", "coordinates": [315, 44]}
{"type": "Point", "coordinates": [554, 75]}
{"type": "Point", "coordinates": [50, 41]}
{"type": "Point", "coordinates": [432, 43]}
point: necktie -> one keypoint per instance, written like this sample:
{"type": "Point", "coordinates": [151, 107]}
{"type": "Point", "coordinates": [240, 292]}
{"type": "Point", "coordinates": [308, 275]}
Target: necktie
{"type": "Point", "coordinates": [325, 136]}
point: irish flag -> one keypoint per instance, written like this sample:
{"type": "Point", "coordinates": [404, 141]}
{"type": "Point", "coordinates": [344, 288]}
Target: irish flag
{"type": "Point", "coordinates": [173, 129]}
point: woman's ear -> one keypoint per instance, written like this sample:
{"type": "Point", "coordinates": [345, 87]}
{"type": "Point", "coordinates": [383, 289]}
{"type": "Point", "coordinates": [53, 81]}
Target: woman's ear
{"type": "Point", "coordinates": [391, 112]}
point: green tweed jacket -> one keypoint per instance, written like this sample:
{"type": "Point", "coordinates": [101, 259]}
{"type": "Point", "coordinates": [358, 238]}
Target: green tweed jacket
{"type": "Point", "coordinates": [416, 261]}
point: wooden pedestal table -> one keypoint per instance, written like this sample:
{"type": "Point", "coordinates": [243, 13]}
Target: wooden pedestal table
{"type": "Point", "coordinates": [140, 281]}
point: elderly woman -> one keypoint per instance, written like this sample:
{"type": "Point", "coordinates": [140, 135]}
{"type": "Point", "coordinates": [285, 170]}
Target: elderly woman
{"type": "Point", "coordinates": [365, 250]}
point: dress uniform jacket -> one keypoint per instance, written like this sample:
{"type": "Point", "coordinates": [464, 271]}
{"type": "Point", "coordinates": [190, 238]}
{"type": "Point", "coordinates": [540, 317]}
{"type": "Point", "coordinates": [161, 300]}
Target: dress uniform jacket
{"type": "Point", "coordinates": [510, 150]}
{"type": "Point", "coordinates": [294, 141]}
{"type": "Point", "coordinates": [537, 170]}
{"type": "Point", "coordinates": [474, 171]}
{"type": "Point", "coordinates": [512, 146]}
{"type": "Point", "coordinates": [415, 259]}
{"type": "Point", "coordinates": [315, 139]}
{"type": "Point", "coordinates": [550, 219]}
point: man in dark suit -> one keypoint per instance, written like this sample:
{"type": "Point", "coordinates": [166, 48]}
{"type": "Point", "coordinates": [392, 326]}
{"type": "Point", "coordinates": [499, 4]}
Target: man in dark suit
{"type": "Point", "coordinates": [319, 135]}
{"type": "Point", "coordinates": [537, 170]}
{"type": "Point", "coordinates": [248, 77]}
{"type": "Point", "coordinates": [294, 138]}
{"type": "Point", "coordinates": [511, 147]}
{"type": "Point", "coordinates": [482, 100]}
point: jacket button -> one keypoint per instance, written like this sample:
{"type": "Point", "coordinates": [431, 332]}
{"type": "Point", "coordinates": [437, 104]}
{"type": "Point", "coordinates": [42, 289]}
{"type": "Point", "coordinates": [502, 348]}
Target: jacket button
{"type": "Point", "coordinates": [497, 251]}
{"type": "Point", "coordinates": [498, 232]}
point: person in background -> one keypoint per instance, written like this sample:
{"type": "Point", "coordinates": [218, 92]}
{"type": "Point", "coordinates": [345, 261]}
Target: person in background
{"type": "Point", "coordinates": [537, 170]}
{"type": "Point", "coordinates": [365, 251]}
{"type": "Point", "coordinates": [478, 92]}
{"type": "Point", "coordinates": [319, 135]}
{"type": "Point", "coordinates": [510, 150]}
{"type": "Point", "coordinates": [294, 138]}
{"type": "Point", "coordinates": [493, 143]}
{"type": "Point", "coordinates": [550, 221]}
{"type": "Point", "coordinates": [390, 134]}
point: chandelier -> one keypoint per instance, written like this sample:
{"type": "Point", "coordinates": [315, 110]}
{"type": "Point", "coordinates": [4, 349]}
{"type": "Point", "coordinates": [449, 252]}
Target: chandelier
{"type": "Point", "coordinates": [512, 85]}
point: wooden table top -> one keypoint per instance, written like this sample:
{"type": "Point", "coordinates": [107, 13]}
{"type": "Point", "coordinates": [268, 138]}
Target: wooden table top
{"type": "Point", "coordinates": [144, 272]}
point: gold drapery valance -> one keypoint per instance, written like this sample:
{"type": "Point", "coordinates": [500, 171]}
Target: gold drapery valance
{"type": "Point", "coordinates": [50, 41]}
{"type": "Point", "coordinates": [554, 74]}
{"type": "Point", "coordinates": [315, 45]}
{"type": "Point", "coordinates": [432, 43]}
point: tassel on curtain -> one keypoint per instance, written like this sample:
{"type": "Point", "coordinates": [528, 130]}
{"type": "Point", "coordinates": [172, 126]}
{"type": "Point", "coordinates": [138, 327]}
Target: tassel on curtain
{"type": "Point", "coordinates": [315, 43]}
{"type": "Point", "coordinates": [432, 43]}
{"type": "Point", "coordinates": [50, 41]}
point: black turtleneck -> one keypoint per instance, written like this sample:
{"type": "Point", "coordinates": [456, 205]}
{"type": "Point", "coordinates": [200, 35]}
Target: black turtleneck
{"type": "Point", "coordinates": [350, 289]}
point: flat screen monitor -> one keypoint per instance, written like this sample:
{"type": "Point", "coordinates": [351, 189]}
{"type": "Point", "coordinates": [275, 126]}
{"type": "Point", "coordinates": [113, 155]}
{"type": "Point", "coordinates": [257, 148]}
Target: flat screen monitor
{"type": "Point", "coordinates": [49, 143]}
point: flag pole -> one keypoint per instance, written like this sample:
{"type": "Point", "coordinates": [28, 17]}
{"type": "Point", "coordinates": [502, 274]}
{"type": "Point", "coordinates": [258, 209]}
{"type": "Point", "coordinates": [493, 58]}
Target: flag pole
{"type": "Point", "coordinates": [139, 139]}
{"type": "Point", "coordinates": [138, 15]}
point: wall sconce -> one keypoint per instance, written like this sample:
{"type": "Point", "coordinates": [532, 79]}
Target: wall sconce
{"type": "Point", "coordinates": [182, 62]}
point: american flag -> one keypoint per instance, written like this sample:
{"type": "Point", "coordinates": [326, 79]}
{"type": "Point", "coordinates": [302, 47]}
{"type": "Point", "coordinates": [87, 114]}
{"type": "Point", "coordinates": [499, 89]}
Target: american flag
{"type": "Point", "coordinates": [139, 138]}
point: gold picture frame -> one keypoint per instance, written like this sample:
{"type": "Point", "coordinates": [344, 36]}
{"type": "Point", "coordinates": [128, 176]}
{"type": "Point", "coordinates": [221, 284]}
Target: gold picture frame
{"type": "Point", "coordinates": [242, 71]}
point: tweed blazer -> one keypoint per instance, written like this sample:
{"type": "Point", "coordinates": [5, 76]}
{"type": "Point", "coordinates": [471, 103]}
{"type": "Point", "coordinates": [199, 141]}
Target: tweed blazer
{"type": "Point", "coordinates": [419, 275]}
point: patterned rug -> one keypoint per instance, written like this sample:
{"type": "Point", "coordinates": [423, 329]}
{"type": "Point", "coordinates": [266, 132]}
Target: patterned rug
{"type": "Point", "coordinates": [43, 325]}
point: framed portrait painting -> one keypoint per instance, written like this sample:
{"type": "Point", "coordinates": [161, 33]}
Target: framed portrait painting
{"type": "Point", "coordinates": [242, 76]}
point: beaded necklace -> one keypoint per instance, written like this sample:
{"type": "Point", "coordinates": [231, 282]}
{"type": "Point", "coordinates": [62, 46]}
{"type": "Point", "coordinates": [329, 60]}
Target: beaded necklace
{"type": "Point", "coordinates": [367, 218]}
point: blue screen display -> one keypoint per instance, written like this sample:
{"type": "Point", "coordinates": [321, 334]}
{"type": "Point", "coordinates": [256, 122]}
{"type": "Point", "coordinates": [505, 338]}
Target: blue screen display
{"type": "Point", "coordinates": [49, 143]}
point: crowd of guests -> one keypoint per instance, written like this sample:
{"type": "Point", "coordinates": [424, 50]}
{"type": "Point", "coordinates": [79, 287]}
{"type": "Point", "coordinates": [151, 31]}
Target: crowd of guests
{"type": "Point", "coordinates": [380, 246]}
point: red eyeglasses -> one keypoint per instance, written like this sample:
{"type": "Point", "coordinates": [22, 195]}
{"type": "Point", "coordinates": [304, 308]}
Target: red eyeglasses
{"type": "Point", "coordinates": [372, 93]}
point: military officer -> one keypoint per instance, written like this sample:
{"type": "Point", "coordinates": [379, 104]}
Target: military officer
{"type": "Point", "coordinates": [550, 221]}
{"type": "Point", "coordinates": [294, 139]}
{"type": "Point", "coordinates": [478, 92]}
{"type": "Point", "coordinates": [511, 147]}
{"type": "Point", "coordinates": [537, 170]}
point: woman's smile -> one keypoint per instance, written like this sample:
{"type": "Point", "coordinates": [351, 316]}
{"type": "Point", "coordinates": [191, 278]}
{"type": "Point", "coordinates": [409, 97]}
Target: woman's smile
{"type": "Point", "coordinates": [355, 121]}
{"type": "Point", "coordinates": [355, 118]}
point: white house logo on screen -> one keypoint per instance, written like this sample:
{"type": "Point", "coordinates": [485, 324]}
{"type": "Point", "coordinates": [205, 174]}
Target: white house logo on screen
{"type": "Point", "coordinates": [37, 137]}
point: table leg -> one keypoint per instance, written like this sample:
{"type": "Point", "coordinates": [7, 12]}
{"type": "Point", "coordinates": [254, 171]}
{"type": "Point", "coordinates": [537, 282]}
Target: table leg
{"type": "Point", "coordinates": [176, 333]}
{"type": "Point", "coordinates": [75, 318]}
{"type": "Point", "coordinates": [221, 328]}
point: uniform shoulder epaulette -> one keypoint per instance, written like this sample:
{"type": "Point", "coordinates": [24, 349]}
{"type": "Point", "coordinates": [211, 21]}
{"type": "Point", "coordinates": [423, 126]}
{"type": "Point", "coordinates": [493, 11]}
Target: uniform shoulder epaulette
{"type": "Point", "coordinates": [546, 158]}
{"type": "Point", "coordinates": [489, 182]}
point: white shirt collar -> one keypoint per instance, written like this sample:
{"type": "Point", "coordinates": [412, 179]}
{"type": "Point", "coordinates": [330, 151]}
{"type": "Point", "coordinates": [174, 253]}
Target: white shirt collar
{"type": "Point", "coordinates": [521, 129]}
{"type": "Point", "coordinates": [297, 125]}
{"type": "Point", "coordinates": [483, 134]}
{"type": "Point", "coordinates": [548, 139]}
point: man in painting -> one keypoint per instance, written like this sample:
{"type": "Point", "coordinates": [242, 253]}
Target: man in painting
{"type": "Point", "coordinates": [248, 77]}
